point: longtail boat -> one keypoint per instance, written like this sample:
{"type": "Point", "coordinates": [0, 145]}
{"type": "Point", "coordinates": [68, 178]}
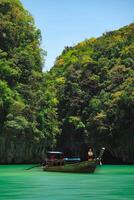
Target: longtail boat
{"type": "Point", "coordinates": [60, 165]}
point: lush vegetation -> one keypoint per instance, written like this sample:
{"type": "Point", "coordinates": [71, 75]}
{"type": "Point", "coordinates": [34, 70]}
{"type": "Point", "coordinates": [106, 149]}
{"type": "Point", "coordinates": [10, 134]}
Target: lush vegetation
{"type": "Point", "coordinates": [87, 98]}
{"type": "Point", "coordinates": [28, 119]}
{"type": "Point", "coordinates": [95, 89]}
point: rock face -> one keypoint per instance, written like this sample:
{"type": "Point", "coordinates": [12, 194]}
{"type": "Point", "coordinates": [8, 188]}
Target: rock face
{"type": "Point", "coordinates": [94, 82]}
{"type": "Point", "coordinates": [15, 151]}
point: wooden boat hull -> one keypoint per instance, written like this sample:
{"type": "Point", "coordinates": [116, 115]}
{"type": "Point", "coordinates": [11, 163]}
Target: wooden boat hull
{"type": "Point", "coordinates": [81, 167]}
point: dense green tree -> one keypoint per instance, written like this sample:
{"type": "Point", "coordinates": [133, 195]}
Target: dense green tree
{"type": "Point", "coordinates": [97, 94]}
{"type": "Point", "coordinates": [28, 113]}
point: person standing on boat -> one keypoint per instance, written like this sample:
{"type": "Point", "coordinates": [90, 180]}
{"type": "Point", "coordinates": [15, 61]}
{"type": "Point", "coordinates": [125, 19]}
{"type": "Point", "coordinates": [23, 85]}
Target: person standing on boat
{"type": "Point", "coordinates": [90, 154]}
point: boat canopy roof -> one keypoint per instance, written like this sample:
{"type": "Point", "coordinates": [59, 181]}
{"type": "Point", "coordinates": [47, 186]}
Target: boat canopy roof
{"type": "Point", "coordinates": [55, 152]}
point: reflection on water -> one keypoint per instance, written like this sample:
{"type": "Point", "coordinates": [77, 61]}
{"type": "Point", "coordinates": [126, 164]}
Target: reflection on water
{"type": "Point", "coordinates": [108, 183]}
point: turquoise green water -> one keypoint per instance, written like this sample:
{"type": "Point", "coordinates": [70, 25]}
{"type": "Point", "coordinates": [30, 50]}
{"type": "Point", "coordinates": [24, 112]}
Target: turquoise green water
{"type": "Point", "coordinates": [108, 183]}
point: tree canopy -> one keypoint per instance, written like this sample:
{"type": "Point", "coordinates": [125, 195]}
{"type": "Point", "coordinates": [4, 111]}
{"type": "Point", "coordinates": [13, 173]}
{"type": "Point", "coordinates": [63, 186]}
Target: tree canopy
{"type": "Point", "coordinates": [28, 116]}
{"type": "Point", "coordinates": [96, 93]}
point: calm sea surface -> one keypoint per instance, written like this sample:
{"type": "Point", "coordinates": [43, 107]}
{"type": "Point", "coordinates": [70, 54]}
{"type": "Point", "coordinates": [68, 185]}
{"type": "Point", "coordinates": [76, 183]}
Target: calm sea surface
{"type": "Point", "coordinates": [108, 183]}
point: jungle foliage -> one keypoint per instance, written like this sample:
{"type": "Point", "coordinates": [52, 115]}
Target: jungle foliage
{"type": "Point", "coordinates": [95, 88]}
{"type": "Point", "coordinates": [28, 116]}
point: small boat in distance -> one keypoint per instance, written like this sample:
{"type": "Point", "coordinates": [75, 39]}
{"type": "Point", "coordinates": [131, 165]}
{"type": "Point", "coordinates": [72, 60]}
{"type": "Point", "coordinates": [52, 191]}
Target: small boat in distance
{"type": "Point", "coordinates": [55, 162]}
